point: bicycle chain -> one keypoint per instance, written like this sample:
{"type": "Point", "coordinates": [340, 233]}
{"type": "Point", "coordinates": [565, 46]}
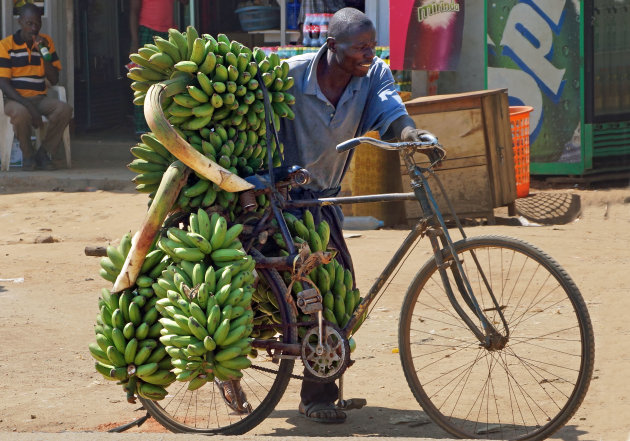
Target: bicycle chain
{"type": "Point", "coordinates": [271, 371]}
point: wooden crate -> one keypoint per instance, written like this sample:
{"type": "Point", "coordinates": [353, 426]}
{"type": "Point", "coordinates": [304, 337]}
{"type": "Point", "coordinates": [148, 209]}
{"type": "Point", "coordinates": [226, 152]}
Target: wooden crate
{"type": "Point", "coordinates": [474, 128]}
{"type": "Point", "coordinates": [373, 171]}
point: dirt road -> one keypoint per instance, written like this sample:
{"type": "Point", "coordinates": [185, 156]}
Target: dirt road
{"type": "Point", "coordinates": [49, 289]}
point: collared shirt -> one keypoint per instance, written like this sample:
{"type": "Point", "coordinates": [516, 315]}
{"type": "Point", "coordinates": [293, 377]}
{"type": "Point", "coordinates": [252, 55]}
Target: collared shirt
{"type": "Point", "coordinates": [24, 66]}
{"type": "Point", "coordinates": [368, 103]}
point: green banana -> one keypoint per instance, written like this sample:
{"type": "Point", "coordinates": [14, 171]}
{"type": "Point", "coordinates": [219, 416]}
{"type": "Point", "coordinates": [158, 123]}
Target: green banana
{"type": "Point", "coordinates": [221, 332]}
{"type": "Point", "coordinates": [160, 377]}
{"type": "Point", "coordinates": [116, 358]}
{"type": "Point", "coordinates": [237, 363]}
{"type": "Point", "coordinates": [227, 354]}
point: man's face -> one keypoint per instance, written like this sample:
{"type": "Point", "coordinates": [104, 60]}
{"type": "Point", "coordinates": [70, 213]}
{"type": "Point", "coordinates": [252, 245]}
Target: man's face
{"type": "Point", "coordinates": [31, 23]}
{"type": "Point", "coordinates": [355, 52]}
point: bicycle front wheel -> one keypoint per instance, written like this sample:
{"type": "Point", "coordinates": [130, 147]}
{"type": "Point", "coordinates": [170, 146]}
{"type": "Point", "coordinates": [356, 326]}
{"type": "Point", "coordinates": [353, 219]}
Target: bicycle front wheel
{"type": "Point", "coordinates": [528, 389]}
{"type": "Point", "coordinates": [205, 411]}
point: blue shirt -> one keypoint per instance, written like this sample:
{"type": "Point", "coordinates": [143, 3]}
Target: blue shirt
{"type": "Point", "coordinates": [368, 103]}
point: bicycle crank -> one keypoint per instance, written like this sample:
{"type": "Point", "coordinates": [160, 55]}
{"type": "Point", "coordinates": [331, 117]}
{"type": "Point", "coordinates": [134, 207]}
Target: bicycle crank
{"type": "Point", "coordinates": [327, 357]}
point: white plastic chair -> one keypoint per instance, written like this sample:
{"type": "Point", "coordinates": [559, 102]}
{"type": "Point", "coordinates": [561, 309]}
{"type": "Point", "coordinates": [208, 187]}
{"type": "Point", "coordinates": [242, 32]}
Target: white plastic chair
{"type": "Point", "coordinates": [7, 135]}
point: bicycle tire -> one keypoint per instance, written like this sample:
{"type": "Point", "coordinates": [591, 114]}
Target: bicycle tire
{"type": "Point", "coordinates": [169, 412]}
{"type": "Point", "coordinates": [529, 389]}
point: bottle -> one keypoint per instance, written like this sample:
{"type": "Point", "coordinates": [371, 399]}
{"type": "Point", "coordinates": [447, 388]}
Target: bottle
{"type": "Point", "coordinates": [315, 29]}
{"type": "Point", "coordinates": [43, 51]}
{"type": "Point", "coordinates": [362, 223]}
{"type": "Point", "coordinates": [306, 30]}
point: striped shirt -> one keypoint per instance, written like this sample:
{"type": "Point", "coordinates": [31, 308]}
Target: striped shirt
{"type": "Point", "coordinates": [24, 66]}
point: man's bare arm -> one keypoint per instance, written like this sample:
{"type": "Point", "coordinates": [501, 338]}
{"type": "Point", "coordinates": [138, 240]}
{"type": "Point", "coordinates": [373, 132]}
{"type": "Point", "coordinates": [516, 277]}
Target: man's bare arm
{"type": "Point", "coordinates": [9, 92]}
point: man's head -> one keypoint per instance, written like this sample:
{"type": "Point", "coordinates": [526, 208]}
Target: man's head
{"type": "Point", "coordinates": [30, 20]}
{"type": "Point", "coordinates": [352, 38]}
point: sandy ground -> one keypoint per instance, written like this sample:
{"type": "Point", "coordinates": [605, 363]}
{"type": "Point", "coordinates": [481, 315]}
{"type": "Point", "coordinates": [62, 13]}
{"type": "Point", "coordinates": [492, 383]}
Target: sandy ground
{"type": "Point", "coordinates": [49, 289]}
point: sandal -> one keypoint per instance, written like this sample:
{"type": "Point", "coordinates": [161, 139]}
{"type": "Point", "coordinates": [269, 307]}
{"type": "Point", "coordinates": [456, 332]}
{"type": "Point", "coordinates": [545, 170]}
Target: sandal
{"type": "Point", "coordinates": [326, 413]}
{"type": "Point", "coordinates": [229, 390]}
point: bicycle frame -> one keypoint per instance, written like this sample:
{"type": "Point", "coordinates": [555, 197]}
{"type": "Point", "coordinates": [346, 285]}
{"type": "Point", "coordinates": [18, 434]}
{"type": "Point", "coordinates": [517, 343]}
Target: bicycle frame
{"type": "Point", "coordinates": [431, 224]}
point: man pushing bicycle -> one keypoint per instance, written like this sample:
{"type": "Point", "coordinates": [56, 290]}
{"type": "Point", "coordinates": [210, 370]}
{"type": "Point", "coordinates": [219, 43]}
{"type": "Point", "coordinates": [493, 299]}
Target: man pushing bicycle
{"type": "Point", "coordinates": [341, 92]}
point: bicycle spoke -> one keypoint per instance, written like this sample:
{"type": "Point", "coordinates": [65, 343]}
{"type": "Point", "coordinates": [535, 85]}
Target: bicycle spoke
{"type": "Point", "coordinates": [546, 363]}
{"type": "Point", "coordinates": [466, 376]}
{"type": "Point", "coordinates": [442, 375]}
{"type": "Point", "coordinates": [547, 348]}
{"type": "Point", "coordinates": [513, 393]}
{"type": "Point", "coordinates": [434, 334]}
{"type": "Point", "coordinates": [527, 368]}
{"type": "Point", "coordinates": [454, 325]}
{"type": "Point", "coordinates": [538, 312]}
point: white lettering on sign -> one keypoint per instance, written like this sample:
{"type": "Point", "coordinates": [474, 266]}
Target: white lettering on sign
{"type": "Point", "coordinates": [520, 86]}
{"type": "Point", "coordinates": [528, 40]}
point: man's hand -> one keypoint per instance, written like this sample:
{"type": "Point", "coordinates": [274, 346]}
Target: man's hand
{"type": "Point", "coordinates": [409, 134]}
{"type": "Point", "coordinates": [38, 39]}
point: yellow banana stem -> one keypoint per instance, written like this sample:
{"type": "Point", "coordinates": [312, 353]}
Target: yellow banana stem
{"type": "Point", "coordinates": [172, 182]}
{"type": "Point", "coordinates": [181, 149]}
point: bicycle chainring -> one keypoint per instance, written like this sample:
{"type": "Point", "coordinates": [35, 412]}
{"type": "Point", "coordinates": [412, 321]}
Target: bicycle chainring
{"type": "Point", "coordinates": [334, 358]}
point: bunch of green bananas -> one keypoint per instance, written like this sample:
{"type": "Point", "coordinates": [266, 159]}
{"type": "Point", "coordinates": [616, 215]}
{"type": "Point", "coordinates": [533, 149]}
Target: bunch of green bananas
{"type": "Point", "coordinates": [220, 113]}
{"type": "Point", "coordinates": [205, 300]}
{"type": "Point", "coordinates": [267, 312]}
{"type": "Point", "coordinates": [154, 263]}
{"type": "Point", "coordinates": [340, 297]}
{"type": "Point", "coordinates": [127, 347]}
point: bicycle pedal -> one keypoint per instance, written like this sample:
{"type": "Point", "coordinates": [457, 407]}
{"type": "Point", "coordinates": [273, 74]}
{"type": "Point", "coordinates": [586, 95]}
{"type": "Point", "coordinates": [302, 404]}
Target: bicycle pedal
{"type": "Point", "coordinates": [351, 403]}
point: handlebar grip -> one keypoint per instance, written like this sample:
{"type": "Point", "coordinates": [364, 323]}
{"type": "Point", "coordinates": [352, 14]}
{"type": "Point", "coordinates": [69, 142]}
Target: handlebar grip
{"type": "Point", "coordinates": [348, 145]}
{"type": "Point", "coordinates": [429, 138]}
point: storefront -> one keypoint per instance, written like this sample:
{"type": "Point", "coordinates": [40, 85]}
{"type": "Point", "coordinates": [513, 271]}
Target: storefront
{"type": "Point", "coordinates": [570, 61]}
{"type": "Point", "coordinates": [92, 39]}
{"type": "Point", "coordinates": [574, 75]}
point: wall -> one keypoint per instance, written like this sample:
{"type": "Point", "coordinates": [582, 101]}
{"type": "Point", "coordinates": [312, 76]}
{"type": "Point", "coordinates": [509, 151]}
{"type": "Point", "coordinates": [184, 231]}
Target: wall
{"type": "Point", "coordinates": [378, 11]}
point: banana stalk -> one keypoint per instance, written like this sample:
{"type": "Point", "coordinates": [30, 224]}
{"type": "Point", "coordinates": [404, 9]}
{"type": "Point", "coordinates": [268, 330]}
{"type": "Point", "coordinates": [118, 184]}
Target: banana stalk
{"type": "Point", "coordinates": [181, 149]}
{"type": "Point", "coordinates": [172, 182]}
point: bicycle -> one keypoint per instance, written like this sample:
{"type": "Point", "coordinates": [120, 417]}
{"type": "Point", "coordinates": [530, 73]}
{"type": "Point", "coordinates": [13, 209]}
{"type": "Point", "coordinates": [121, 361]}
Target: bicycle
{"type": "Point", "coordinates": [469, 342]}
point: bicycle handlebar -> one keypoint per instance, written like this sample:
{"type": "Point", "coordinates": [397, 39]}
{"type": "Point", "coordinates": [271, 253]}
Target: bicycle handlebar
{"type": "Point", "coordinates": [352, 143]}
{"type": "Point", "coordinates": [429, 146]}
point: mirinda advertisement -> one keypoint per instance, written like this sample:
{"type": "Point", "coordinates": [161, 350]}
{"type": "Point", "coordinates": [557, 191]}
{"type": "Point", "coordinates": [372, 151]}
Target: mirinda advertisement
{"type": "Point", "coordinates": [425, 34]}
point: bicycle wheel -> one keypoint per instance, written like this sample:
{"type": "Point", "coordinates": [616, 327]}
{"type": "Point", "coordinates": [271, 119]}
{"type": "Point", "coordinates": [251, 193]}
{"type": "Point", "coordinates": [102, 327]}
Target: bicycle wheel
{"type": "Point", "coordinates": [528, 389]}
{"type": "Point", "coordinates": [205, 411]}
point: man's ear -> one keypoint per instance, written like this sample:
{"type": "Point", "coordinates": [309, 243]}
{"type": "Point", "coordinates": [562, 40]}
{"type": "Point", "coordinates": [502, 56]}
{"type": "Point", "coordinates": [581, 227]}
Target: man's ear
{"type": "Point", "coordinates": [332, 44]}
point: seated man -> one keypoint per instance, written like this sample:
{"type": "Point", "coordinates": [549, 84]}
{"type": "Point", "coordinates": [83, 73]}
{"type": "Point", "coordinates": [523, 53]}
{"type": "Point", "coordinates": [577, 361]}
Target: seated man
{"type": "Point", "coordinates": [23, 75]}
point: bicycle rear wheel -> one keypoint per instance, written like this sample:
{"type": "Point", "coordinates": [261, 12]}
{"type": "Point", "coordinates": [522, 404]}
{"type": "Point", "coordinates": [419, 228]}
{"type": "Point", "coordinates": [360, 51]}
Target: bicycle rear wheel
{"type": "Point", "coordinates": [531, 387]}
{"type": "Point", "coordinates": [205, 411]}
